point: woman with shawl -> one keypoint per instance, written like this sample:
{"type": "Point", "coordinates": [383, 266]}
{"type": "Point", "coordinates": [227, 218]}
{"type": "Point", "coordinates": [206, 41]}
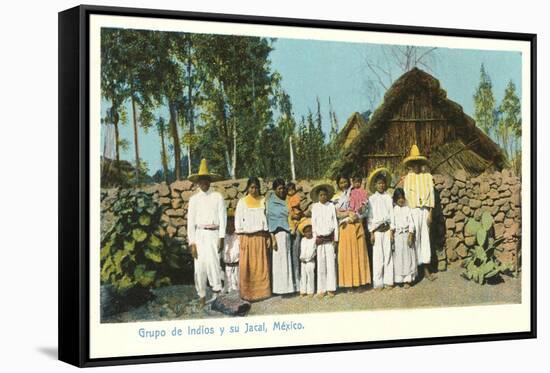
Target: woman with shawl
{"type": "Point", "coordinates": [277, 222]}
{"type": "Point", "coordinates": [353, 259]}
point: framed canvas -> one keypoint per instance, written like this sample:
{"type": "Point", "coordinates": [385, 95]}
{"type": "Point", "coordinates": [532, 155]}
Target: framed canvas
{"type": "Point", "coordinates": [233, 186]}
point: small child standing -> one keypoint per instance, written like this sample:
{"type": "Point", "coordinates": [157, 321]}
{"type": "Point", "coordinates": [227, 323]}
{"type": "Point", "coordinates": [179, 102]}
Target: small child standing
{"type": "Point", "coordinates": [231, 254]}
{"type": "Point", "coordinates": [324, 224]}
{"type": "Point", "coordinates": [307, 259]}
{"type": "Point", "coordinates": [358, 196]}
{"type": "Point", "coordinates": [295, 215]}
{"type": "Point", "coordinates": [380, 221]}
{"type": "Point", "coordinates": [404, 253]}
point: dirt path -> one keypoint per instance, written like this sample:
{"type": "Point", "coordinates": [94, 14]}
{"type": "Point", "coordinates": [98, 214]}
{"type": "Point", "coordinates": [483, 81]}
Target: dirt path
{"type": "Point", "coordinates": [449, 289]}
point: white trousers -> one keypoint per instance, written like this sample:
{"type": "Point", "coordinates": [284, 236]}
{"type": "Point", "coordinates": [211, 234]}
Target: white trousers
{"type": "Point", "coordinates": [422, 232]}
{"type": "Point", "coordinates": [307, 278]}
{"type": "Point", "coordinates": [382, 260]}
{"type": "Point", "coordinates": [207, 264]}
{"type": "Point", "coordinates": [326, 268]}
{"type": "Point", "coordinates": [231, 278]}
{"type": "Point", "coordinates": [283, 282]}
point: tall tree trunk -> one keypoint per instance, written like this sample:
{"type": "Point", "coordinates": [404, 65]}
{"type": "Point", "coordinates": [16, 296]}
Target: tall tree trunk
{"type": "Point", "coordinates": [117, 138]}
{"type": "Point", "coordinates": [292, 170]}
{"type": "Point", "coordinates": [163, 155]}
{"type": "Point", "coordinates": [136, 142]}
{"type": "Point", "coordinates": [175, 138]}
{"type": "Point", "coordinates": [234, 157]}
{"type": "Point", "coordinates": [190, 110]}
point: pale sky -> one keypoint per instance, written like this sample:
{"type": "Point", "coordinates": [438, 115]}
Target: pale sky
{"type": "Point", "coordinates": [311, 68]}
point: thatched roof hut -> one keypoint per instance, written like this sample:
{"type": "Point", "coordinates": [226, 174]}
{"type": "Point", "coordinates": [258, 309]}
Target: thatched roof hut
{"type": "Point", "coordinates": [351, 130]}
{"type": "Point", "coordinates": [416, 110]}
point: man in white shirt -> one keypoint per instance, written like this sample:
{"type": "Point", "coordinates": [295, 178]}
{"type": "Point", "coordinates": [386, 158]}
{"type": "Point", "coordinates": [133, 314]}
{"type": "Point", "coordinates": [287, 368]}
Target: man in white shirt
{"type": "Point", "coordinates": [206, 221]}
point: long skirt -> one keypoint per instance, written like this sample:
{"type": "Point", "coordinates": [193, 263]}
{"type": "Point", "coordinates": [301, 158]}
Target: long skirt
{"type": "Point", "coordinates": [422, 239]}
{"type": "Point", "coordinates": [282, 265]}
{"type": "Point", "coordinates": [404, 259]}
{"type": "Point", "coordinates": [254, 266]}
{"type": "Point", "coordinates": [353, 260]}
{"type": "Point", "coordinates": [207, 264]}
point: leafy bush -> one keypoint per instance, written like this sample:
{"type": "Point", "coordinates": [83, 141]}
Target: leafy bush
{"type": "Point", "coordinates": [481, 265]}
{"type": "Point", "coordinates": [135, 252]}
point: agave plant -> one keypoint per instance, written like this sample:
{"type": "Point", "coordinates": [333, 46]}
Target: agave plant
{"type": "Point", "coordinates": [133, 250]}
{"type": "Point", "coordinates": [481, 265]}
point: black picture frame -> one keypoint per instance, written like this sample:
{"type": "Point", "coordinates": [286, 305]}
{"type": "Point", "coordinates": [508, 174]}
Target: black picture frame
{"type": "Point", "coordinates": [74, 150]}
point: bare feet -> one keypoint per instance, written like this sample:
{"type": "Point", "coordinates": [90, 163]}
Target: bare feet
{"type": "Point", "coordinates": [331, 294]}
{"type": "Point", "coordinates": [407, 285]}
{"type": "Point", "coordinates": [388, 287]}
{"type": "Point", "coordinates": [320, 295]}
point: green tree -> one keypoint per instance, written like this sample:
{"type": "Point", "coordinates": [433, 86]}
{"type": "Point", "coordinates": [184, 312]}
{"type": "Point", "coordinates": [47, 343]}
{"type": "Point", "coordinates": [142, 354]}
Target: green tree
{"type": "Point", "coordinates": [113, 87]}
{"type": "Point", "coordinates": [161, 129]}
{"type": "Point", "coordinates": [509, 124]}
{"type": "Point", "coordinates": [484, 103]}
{"type": "Point", "coordinates": [238, 98]}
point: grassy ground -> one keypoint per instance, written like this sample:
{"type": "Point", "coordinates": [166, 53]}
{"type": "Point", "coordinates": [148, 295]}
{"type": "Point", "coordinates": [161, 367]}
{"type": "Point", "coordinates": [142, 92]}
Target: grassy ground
{"type": "Point", "coordinates": [449, 289]}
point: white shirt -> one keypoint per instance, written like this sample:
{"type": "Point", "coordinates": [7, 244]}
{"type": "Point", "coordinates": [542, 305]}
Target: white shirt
{"type": "Point", "coordinates": [380, 211]}
{"type": "Point", "coordinates": [205, 209]}
{"type": "Point", "coordinates": [250, 220]}
{"type": "Point", "coordinates": [403, 219]}
{"type": "Point", "coordinates": [307, 249]}
{"type": "Point", "coordinates": [323, 220]}
{"type": "Point", "coordinates": [231, 248]}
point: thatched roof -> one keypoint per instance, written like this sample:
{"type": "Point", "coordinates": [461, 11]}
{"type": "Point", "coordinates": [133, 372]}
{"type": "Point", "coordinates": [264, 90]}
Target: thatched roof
{"type": "Point", "coordinates": [356, 120]}
{"type": "Point", "coordinates": [482, 151]}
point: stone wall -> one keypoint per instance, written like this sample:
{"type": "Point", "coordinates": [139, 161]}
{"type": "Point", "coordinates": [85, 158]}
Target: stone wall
{"type": "Point", "coordinates": [458, 198]}
{"type": "Point", "coordinates": [461, 197]}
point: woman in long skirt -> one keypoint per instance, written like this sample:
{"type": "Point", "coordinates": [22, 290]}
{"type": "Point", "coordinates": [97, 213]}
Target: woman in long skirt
{"type": "Point", "coordinates": [277, 221]}
{"type": "Point", "coordinates": [353, 259]}
{"type": "Point", "coordinates": [254, 261]}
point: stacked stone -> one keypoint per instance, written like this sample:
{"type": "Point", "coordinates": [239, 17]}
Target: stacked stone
{"type": "Point", "coordinates": [460, 197]}
{"type": "Point", "coordinates": [463, 197]}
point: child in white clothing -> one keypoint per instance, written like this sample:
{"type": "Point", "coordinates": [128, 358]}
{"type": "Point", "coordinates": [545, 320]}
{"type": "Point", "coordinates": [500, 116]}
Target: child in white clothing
{"type": "Point", "coordinates": [324, 224]}
{"type": "Point", "coordinates": [380, 222]}
{"type": "Point", "coordinates": [404, 253]}
{"type": "Point", "coordinates": [307, 259]}
{"type": "Point", "coordinates": [231, 254]}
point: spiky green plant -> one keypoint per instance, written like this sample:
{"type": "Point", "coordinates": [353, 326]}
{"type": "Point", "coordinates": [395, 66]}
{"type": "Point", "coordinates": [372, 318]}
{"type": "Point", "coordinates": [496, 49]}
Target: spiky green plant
{"type": "Point", "coordinates": [481, 265]}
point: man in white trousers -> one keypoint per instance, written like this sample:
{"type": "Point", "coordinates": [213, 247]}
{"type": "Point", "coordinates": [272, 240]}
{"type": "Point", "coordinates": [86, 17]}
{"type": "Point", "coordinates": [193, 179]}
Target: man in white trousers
{"type": "Point", "coordinates": [206, 222]}
{"type": "Point", "coordinates": [419, 193]}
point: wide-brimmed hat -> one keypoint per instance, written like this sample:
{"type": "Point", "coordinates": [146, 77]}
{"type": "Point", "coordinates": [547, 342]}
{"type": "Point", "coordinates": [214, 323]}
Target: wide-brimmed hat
{"type": "Point", "coordinates": [203, 172]}
{"type": "Point", "coordinates": [372, 177]}
{"type": "Point", "coordinates": [414, 155]}
{"type": "Point", "coordinates": [303, 224]}
{"type": "Point", "coordinates": [314, 194]}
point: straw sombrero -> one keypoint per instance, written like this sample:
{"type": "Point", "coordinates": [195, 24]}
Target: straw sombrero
{"type": "Point", "coordinates": [414, 155]}
{"type": "Point", "coordinates": [375, 173]}
{"type": "Point", "coordinates": [314, 194]}
{"type": "Point", "coordinates": [203, 171]}
{"type": "Point", "coordinates": [303, 224]}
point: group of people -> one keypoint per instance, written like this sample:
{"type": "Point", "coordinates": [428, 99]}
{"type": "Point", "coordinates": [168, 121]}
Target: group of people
{"type": "Point", "coordinates": [269, 245]}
